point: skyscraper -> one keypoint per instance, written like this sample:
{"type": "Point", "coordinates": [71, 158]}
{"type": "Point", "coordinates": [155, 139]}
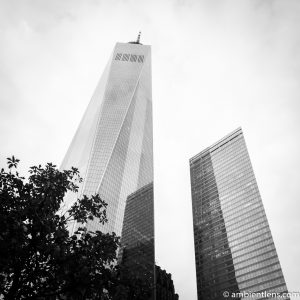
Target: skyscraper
{"type": "Point", "coordinates": [112, 147]}
{"type": "Point", "coordinates": [234, 248]}
{"type": "Point", "coordinates": [138, 236]}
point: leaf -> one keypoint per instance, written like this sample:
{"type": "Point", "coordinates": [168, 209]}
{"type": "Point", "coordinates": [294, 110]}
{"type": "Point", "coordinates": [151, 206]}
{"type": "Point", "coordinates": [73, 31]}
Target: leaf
{"type": "Point", "coordinates": [35, 241]}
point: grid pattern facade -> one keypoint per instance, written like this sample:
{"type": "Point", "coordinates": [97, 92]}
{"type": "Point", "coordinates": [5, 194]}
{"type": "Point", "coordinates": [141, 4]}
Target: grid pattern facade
{"type": "Point", "coordinates": [234, 249]}
{"type": "Point", "coordinates": [112, 147]}
{"type": "Point", "coordinates": [138, 235]}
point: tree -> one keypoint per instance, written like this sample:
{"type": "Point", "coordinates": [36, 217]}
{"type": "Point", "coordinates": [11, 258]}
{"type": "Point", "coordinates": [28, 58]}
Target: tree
{"type": "Point", "coordinates": [39, 258]}
{"type": "Point", "coordinates": [131, 285]}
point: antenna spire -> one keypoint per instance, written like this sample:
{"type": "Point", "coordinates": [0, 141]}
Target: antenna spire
{"type": "Point", "coordinates": [138, 38]}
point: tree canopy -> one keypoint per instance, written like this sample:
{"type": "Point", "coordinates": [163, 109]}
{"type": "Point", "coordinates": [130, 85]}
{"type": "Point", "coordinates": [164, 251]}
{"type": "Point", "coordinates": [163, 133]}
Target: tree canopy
{"type": "Point", "coordinates": [39, 258]}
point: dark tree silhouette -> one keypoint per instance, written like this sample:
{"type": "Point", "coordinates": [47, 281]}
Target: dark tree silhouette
{"type": "Point", "coordinates": [39, 259]}
{"type": "Point", "coordinates": [131, 285]}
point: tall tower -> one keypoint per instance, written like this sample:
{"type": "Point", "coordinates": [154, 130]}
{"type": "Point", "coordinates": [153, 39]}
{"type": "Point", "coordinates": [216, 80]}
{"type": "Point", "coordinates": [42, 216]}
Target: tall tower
{"type": "Point", "coordinates": [234, 248]}
{"type": "Point", "coordinates": [112, 147]}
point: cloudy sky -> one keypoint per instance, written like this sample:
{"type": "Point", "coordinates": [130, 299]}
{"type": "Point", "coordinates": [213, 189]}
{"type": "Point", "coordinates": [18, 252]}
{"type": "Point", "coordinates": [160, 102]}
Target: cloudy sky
{"type": "Point", "coordinates": [217, 65]}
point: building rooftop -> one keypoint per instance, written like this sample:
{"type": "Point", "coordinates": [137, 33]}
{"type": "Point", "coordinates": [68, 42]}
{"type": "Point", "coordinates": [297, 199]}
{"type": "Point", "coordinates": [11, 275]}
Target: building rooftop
{"type": "Point", "coordinates": [218, 144]}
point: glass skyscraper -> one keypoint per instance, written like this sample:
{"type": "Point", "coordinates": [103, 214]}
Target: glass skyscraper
{"type": "Point", "coordinates": [138, 236]}
{"type": "Point", "coordinates": [234, 249]}
{"type": "Point", "coordinates": [112, 147]}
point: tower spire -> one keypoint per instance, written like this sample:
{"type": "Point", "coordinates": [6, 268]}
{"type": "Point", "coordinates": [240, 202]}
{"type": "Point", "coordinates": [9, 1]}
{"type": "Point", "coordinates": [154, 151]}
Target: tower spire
{"type": "Point", "coordinates": [137, 41]}
{"type": "Point", "coordinates": [138, 38]}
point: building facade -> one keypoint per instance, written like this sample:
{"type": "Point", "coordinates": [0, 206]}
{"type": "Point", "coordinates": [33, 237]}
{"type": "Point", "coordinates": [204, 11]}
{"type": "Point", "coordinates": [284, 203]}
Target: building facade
{"type": "Point", "coordinates": [234, 248]}
{"type": "Point", "coordinates": [137, 239]}
{"type": "Point", "coordinates": [112, 147]}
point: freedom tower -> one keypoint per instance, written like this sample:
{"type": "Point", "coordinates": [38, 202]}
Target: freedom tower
{"type": "Point", "coordinates": [113, 145]}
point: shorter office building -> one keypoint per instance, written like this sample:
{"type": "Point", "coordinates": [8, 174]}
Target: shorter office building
{"type": "Point", "coordinates": [137, 242]}
{"type": "Point", "coordinates": [234, 248]}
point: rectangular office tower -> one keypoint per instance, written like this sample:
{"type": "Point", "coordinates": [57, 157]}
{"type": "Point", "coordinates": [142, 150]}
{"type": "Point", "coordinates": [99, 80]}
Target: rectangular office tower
{"type": "Point", "coordinates": [138, 237]}
{"type": "Point", "coordinates": [234, 249]}
{"type": "Point", "coordinates": [112, 147]}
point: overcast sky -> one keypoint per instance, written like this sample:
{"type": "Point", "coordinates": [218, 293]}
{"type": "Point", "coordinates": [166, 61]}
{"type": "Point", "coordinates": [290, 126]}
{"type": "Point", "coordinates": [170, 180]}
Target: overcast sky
{"type": "Point", "coordinates": [217, 65]}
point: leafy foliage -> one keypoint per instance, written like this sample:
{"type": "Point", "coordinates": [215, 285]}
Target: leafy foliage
{"type": "Point", "coordinates": [39, 259]}
{"type": "Point", "coordinates": [131, 286]}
